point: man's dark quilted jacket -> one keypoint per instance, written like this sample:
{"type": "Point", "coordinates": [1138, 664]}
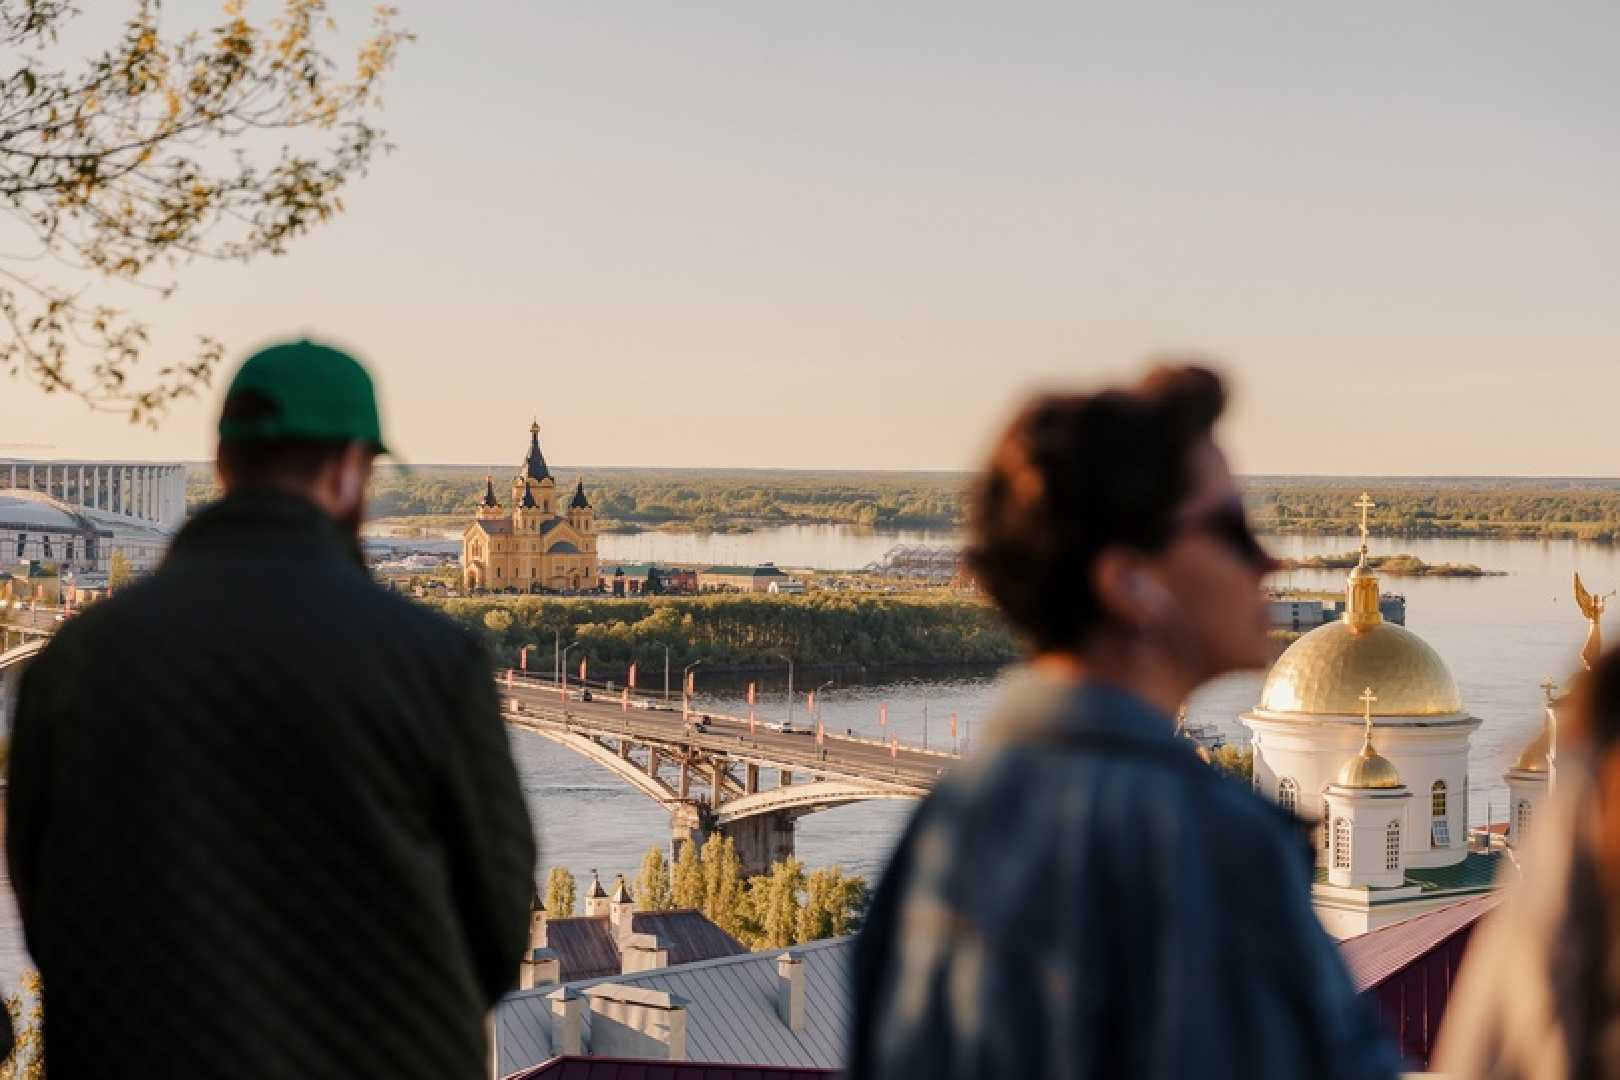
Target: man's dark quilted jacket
{"type": "Point", "coordinates": [264, 821]}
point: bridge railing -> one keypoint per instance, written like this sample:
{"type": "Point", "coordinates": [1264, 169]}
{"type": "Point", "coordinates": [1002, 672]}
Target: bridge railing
{"type": "Point", "coordinates": [550, 687]}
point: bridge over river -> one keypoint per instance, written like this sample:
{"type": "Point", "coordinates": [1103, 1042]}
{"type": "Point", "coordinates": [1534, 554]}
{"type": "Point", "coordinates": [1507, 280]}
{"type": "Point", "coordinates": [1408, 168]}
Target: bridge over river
{"type": "Point", "coordinates": [748, 782]}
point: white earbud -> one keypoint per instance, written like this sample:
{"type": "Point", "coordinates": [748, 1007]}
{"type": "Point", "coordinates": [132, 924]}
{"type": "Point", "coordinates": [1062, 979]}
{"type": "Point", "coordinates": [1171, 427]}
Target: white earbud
{"type": "Point", "coordinates": [1151, 594]}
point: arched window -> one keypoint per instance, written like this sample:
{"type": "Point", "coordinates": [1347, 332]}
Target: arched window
{"type": "Point", "coordinates": [1341, 844]}
{"type": "Point", "coordinates": [1439, 825]}
{"type": "Point", "coordinates": [1392, 846]}
{"type": "Point", "coordinates": [1521, 818]}
{"type": "Point", "coordinates": [1288, 795]}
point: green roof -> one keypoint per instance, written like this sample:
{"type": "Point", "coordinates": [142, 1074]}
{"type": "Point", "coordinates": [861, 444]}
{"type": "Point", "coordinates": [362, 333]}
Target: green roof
{"type": "Point", "coordinates": [745, 571]}
{"type": "Point", "coordinates": [1476, 873]}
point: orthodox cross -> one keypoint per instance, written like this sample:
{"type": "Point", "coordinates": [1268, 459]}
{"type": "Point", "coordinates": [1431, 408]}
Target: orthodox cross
{"type": "Point", "coordinates": [1364, 504]}
{"type": "Point", "coordinates": [1550, 688]}
{"type": "Point", "coordinates": [1367, 698]}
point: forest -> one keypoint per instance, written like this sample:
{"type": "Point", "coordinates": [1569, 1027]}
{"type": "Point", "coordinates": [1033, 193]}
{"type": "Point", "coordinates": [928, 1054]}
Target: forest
{"type": "Point", "coordinates": [736, 630]}
{"type": "Point", "coordinates": [738, 499]}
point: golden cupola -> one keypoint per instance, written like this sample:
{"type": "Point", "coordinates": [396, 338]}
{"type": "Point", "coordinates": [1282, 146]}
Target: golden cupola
{"type": "Point", "coordinates": [1368, 770]}
{"type": "Point", "coordinates": [1321, 673]}
{"type": "Point", "coordinates": [1534, 757]}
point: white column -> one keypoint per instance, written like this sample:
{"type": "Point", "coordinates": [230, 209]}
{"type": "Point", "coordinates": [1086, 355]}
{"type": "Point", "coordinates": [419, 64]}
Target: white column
{"type": "Point", "coordinates": [81, 485]}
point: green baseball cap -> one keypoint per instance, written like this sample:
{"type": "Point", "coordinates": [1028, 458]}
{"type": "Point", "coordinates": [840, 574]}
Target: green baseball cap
{"type": "Point", "coordinates": [301, 390]}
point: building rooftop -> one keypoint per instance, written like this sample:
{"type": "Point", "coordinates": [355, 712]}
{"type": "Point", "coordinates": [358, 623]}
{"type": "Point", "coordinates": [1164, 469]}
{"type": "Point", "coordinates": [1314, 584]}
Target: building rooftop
{"type": "Point", "coordinates": [586, 948]}
{"type": "Point", "coordinates": [612, 1068]}
{"type": "Point", "coordinates": [1476, 873]}
{"type": "Point", "coordinates": [731, 1011]}
{"type": "Point", "coordinates": [765, 570]}
{"type": "Point", "coordinates": [1378, 954]}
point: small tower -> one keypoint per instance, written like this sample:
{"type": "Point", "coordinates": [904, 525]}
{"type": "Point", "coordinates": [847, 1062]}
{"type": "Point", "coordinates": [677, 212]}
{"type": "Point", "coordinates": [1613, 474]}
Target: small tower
{"type": "Point", "coordinates": [1529, 779]}
{"type": "Point", "coordinates": [596, 899]}
{"type": "Point", "coordinates": [489, 506]}
{"type": "Point", "coordinates": [621, 908]}
{"type": "Point", "coordinates": [537, 921]}
{"type": "Point", "coordinates": [1367, 810]}
{"type": "Point", "coordinates": [580, 514]}
{"type": "Point", "coordinates": [534, 472]}
{"type": "Point", "coordinates": [1361, 608]}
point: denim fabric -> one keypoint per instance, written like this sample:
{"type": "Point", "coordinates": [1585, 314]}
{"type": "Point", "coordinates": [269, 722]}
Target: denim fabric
{"type": "Point", "coordinates": [1087, 898]}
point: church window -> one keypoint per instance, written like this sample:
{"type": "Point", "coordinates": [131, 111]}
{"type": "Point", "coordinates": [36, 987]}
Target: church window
{"type": "Point", "coordinates": [1288, 795]}
{"type": "Point", "coordinates": [1521, 818]}
{"type": "Point", "coordinates": [1440, 827]}
{"type": "Point", "coordinates": [1392, 846]}
{"type": "Point", "coordinates": [1341, 844]}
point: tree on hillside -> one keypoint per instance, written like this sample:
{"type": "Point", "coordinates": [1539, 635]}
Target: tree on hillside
{"type": "Point", "coordinates": [560, 893]}
{"type": "Point", "coordinates": [687, 885]}
{"type": "Point", "coordinates": [160, 149]}
{"type": "Point", "coordinates": [653, 889]}
{"type": "Point", "coordinates": [722, 884]}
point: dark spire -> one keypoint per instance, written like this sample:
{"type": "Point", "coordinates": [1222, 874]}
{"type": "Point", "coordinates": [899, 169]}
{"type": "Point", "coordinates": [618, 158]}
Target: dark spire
{"type": "Point", "coordinates": [534, 465]}
{"type": "Point", "coordinates": [489, 491]}
{"type": "Point", "coordinates": [579, 501]}
{"type": "Point", "coordinates": [528, 502]}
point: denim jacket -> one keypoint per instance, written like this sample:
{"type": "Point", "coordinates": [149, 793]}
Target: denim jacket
{"type": "Point", "coordinates": [1086, 898]}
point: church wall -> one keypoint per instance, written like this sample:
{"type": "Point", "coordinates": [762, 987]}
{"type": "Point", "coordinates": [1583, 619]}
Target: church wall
{"type": "Point", "coordinates": [1312, 751]}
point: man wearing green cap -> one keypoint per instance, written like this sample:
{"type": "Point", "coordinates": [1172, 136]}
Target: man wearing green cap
{"type": "Point", "coordinates": [263, 817]}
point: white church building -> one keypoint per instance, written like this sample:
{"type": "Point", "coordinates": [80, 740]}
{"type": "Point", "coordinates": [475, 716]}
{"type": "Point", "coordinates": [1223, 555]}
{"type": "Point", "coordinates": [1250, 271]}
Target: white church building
{"type": "Point", "coordinates": [1360, 726]}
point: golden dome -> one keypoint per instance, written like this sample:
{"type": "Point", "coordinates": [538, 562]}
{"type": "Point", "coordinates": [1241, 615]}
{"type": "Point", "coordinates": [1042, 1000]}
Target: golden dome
{"type": "Point", "coordinates": [1533, 758]}
{"type": "Point", "coordinates": [1323, 673]}
{"type": "Point", "coordinates": [1368, 769]}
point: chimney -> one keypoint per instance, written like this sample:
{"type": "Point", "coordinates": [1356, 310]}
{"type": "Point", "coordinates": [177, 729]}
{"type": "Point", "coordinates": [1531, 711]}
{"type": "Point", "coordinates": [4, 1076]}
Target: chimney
{"type": "Point", "coordinates": [621, 909]}
{"type": "Point", "coordinates": [635, 1022]}
{"type": "Point", "coordinates": [596, 898]}
{"type": "Point", "coordinates": [642, 952]}
{"type": "Point", "coordinates": [542, 968]}
{"type": "Point", "coordinates": [567, 1017]}
{"type": "Point", "coordinates": [790, 991]}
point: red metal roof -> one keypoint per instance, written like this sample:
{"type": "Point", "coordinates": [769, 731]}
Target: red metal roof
{"type": "Point", "coordinates": [1378, 954]}
{"type": "Point", "coordinates": [606, 1068]}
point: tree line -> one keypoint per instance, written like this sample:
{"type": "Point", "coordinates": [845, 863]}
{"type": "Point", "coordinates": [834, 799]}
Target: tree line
{"type": "Point", "coordinates": [788, 906]}
{"type": "Point", "coordinates": [739, 629]}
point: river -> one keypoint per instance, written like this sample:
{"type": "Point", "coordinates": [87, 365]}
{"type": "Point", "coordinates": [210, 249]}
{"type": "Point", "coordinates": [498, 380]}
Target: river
{"type": "Point", "coordinates": [1501, 637]}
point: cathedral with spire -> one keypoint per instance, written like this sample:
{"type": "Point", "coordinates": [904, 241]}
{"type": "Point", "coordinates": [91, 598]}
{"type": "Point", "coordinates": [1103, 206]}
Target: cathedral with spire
{"type": "Point", "coordinates": [539, 543]}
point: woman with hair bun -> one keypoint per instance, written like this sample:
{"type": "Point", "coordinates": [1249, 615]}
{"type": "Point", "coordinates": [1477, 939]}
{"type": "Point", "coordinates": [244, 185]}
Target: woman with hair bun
{"type": "Point", "coordinates": [1084, 897]}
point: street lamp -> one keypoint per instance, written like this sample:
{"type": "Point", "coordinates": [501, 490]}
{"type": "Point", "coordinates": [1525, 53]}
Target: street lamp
{"type": "Point", "coordinates": [686, 702]}
{"type": "Point", "coordinates": [789, 659]}
{"type": "Point", "coordinates": [815, 694]}
{"type": "Point", "coordinates": [563, 681]}
{"type": "Point", "coordinates": [666, 672]}
{"type": "Point", "coordinates": [556, 657]}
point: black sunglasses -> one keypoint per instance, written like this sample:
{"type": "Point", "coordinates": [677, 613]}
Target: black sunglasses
{"type": "Point", "coordinates": [1227, 524]}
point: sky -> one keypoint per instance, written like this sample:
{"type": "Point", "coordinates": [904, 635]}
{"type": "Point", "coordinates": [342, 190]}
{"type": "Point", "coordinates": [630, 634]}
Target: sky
{"type": "Point", "coordinates": [854, 235]}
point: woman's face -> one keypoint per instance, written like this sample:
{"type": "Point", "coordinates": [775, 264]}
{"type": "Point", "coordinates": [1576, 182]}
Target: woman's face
{"type": "Point", "coordinates": [1214, 569]}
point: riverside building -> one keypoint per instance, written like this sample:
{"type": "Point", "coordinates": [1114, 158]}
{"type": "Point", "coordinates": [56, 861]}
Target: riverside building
{"type": "Point", "coordinates": [539, 545]}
